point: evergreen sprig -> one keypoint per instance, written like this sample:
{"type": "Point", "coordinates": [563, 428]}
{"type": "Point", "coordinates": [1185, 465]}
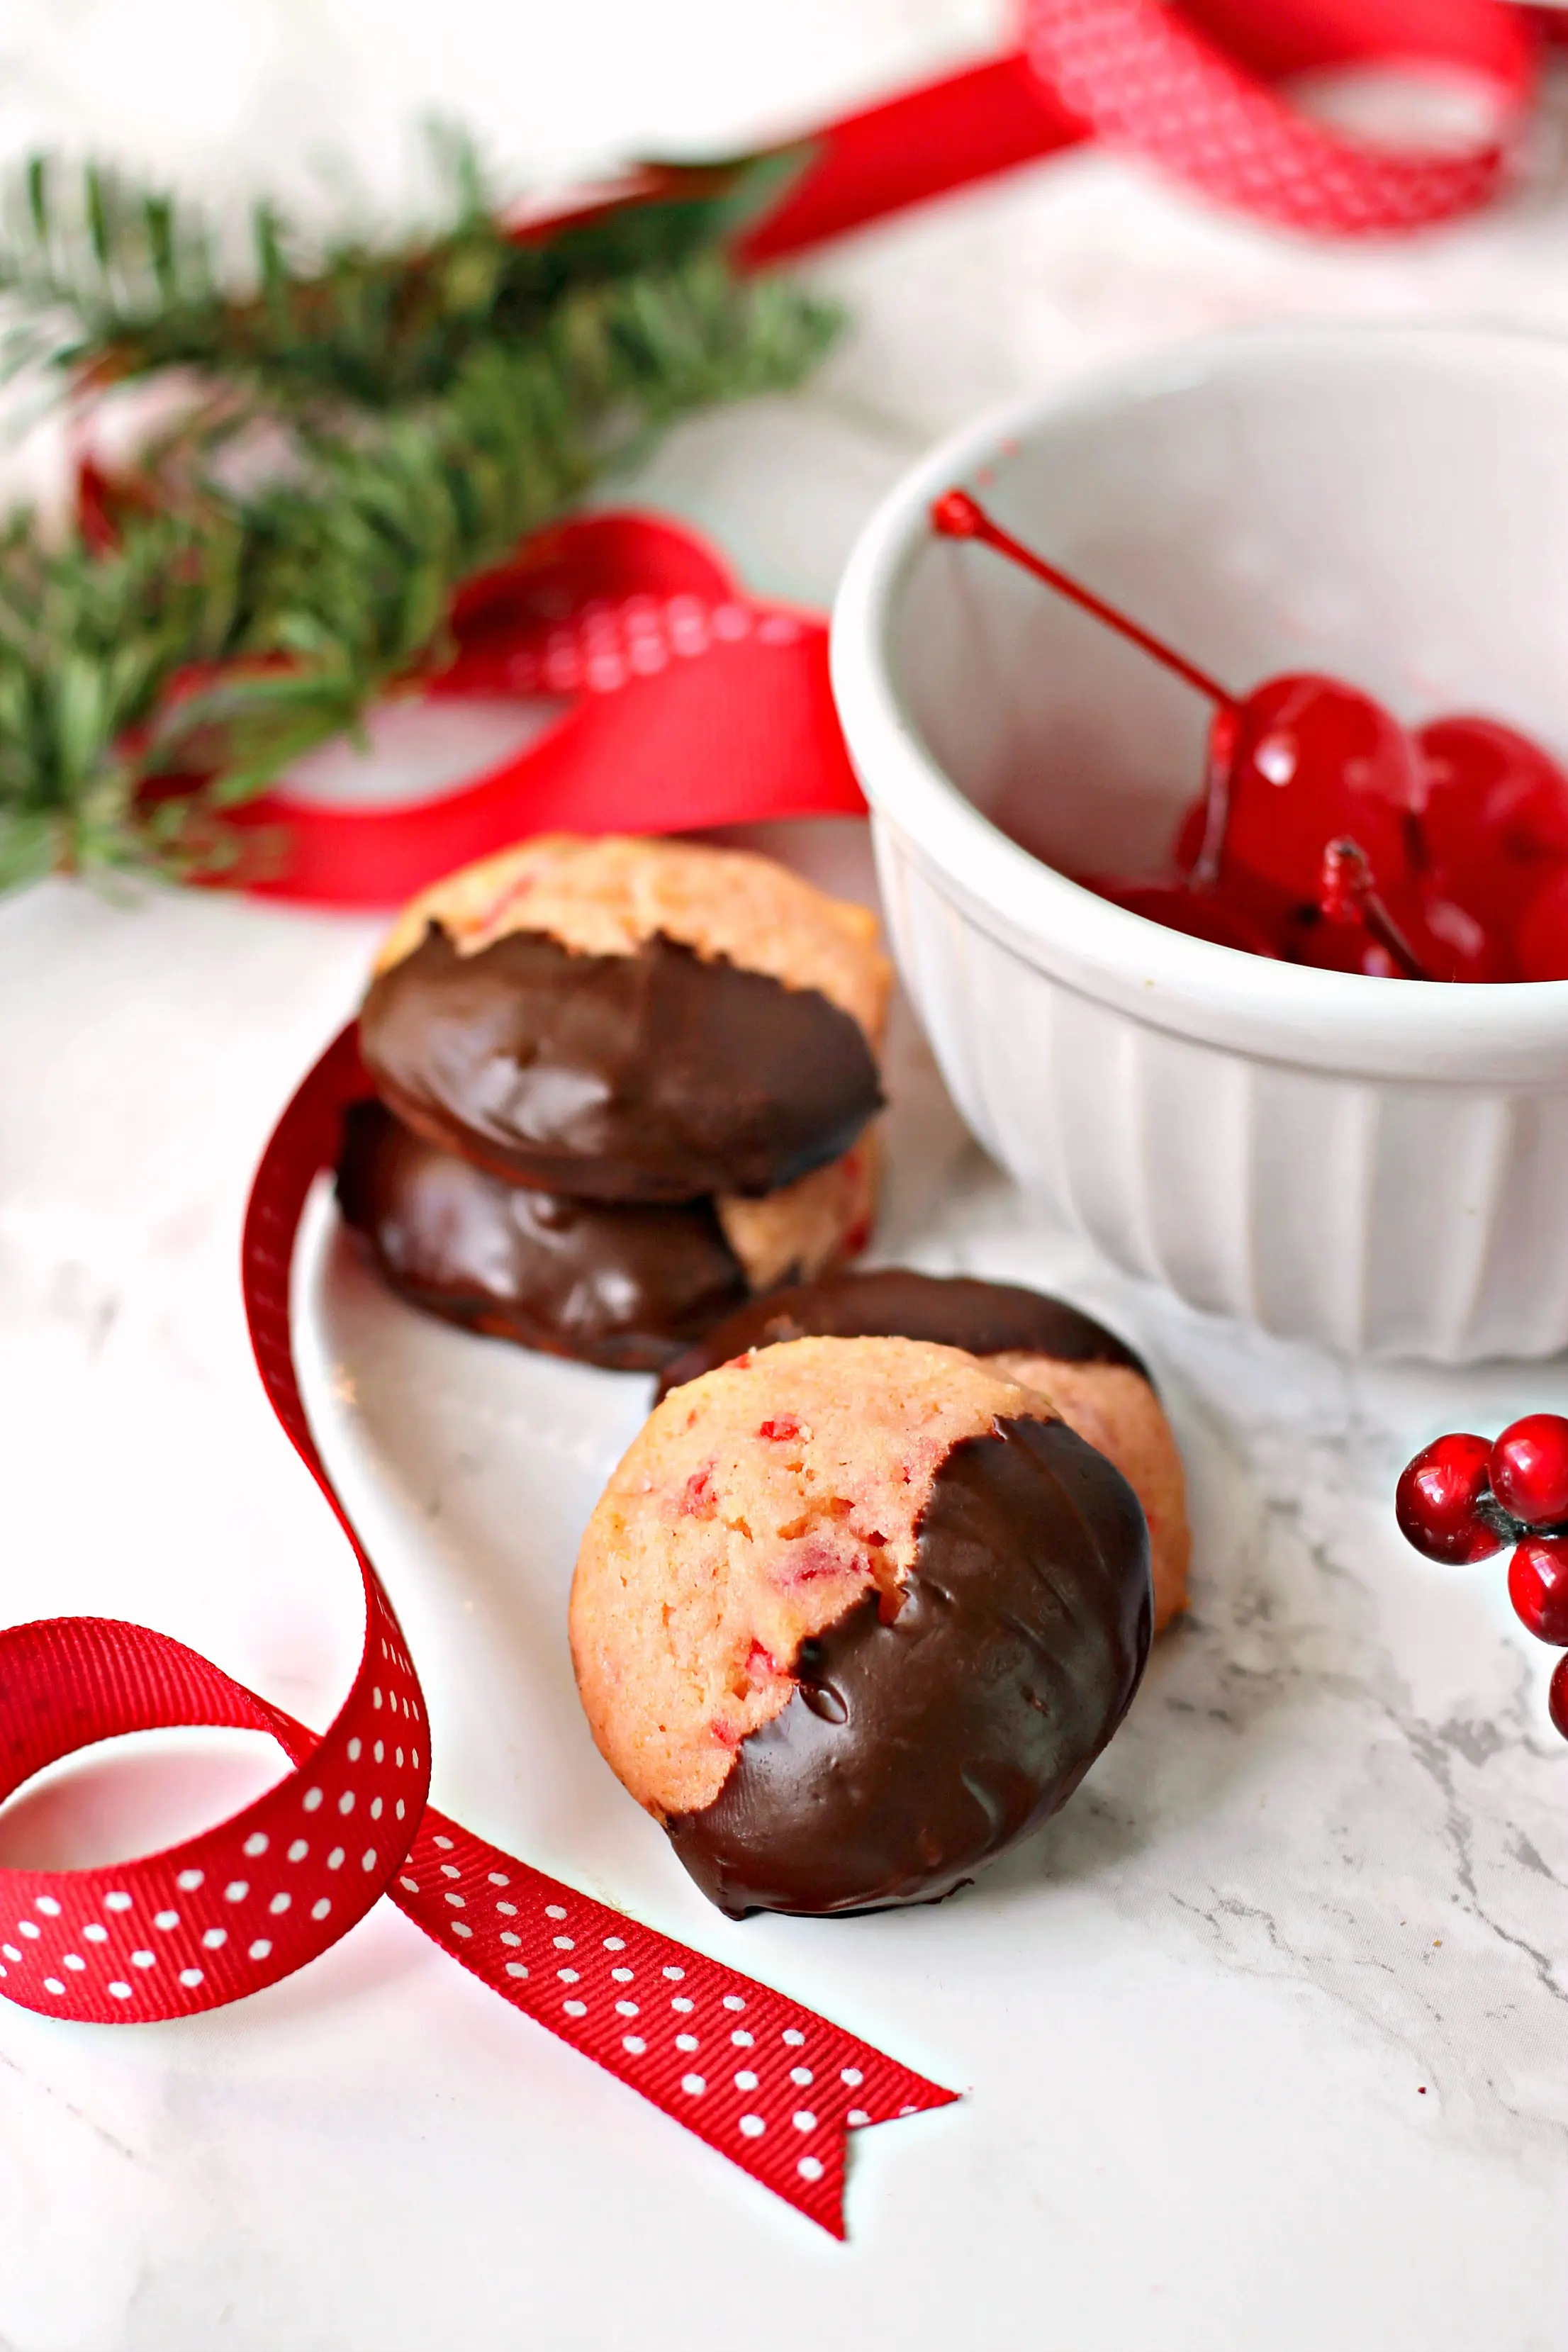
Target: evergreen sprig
{"type": "Point", "coordinates": [419, 404]}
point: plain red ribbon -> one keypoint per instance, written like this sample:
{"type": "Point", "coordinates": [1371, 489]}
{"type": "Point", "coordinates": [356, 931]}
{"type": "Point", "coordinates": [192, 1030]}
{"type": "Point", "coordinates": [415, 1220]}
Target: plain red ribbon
{"type": "Point", "coordinates": [765, 2081]}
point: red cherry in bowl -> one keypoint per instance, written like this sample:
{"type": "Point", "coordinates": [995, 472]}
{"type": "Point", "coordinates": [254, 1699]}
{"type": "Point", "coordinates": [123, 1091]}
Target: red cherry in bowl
{"type": "Point", "coordinates": [1440, 940]}
{"type": "Point", "coordinates": [1451, 940]}
{"type": "Point", "coordinates": [1529, 1469]}
{"type": "Point", "coordinates": [1490, 792]}
{"type": "Point", "coordinates": [1302, 759]}
{"type": "Point", "coordinates": [1495, 829]}
{"type": "Point", "coordinates": [1198, 913]}
{"type": "Point", "coordinates": [1538, 1587]}
{"type": "Point", "coordinates": [1297, 761]}
{"type": "Point", "coordinates": [1328, 946]}
{"type": "Point", "coordinates": [1541, 935]}
{"type": "Point", "coordinates": [1441, 1500]}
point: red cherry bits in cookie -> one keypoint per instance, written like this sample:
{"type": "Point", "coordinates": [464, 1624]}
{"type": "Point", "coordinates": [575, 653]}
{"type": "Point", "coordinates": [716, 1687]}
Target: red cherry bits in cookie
{"type": "Point", "coordinates": [1090, 1377]}
{"type": "Point", "coordinates": [851, 1616]}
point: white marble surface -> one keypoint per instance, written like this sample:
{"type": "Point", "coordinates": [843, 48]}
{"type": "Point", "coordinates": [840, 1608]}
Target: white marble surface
{"type": "Point", "coordinates": [1264, 2037]}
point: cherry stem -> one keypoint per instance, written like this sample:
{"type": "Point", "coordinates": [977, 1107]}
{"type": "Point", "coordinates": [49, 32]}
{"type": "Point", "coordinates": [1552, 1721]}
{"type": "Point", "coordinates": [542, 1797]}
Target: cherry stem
{"type": "Point", "coordinates": [1350, 888]}
{"type": "Point", "coordinates": [955, 515]}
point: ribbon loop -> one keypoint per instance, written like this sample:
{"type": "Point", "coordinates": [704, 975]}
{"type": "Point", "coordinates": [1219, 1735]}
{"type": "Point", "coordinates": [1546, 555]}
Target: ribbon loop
{"type": "Point", "coordinates": [1146, 76]}
{"type": "Point", "coordinates": [685, 703]}
{"type": "Point", "coordinates": [1194, 89]}
{"type": "Point", "coordinates": [71, 1681]}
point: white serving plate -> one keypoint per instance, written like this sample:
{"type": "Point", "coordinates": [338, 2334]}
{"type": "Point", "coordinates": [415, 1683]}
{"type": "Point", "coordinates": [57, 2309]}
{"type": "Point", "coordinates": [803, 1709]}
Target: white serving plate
{"type": "Point", "coordinates": [1223, 2086]}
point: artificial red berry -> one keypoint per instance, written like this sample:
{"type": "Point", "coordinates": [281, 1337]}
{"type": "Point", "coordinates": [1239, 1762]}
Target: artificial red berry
{"type": "Point", "coordinates": [1557, 1697]}
{"type": "Point", "coordinates": [1538, 1587]}
{"type": "Point", "coordinates": [1439, 1498]}
{"type": "Point", "coordinates": [1530, 1469]}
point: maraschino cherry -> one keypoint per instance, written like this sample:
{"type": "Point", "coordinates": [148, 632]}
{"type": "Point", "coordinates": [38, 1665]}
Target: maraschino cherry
{"type": "Point", "coordinates": [1496, 815]}
{"type": "Point", "coordinates": [1199, 913]}
{"type": "Point", "coordinates": [1463, 1498]}
{"type": "Point", "coordinates": [1309, 761]}
{"type": "Point", "coordinates": [1540, 941]}
{"type": "Point", "coordinates": [1496, 828]}
{"type": "Point", "coordinates": [1452, 844]}
{"type": "Point", "coordinates": [1298, 762]}
{"type": "Point", "coordinates": [1348, 895]}
{"type": "Point", "coordinates": [1409, 931]}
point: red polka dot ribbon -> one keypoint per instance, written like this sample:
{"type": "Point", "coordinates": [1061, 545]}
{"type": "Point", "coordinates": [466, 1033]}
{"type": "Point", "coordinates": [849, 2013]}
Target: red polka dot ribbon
{"type": "Point", "coordinates": [765, 2081]}
{"type": "Point", "coordinates": [1159, 81]}
{"type": "Point", "coordinates": [1200, 89]}
{"type": "Point", "coordinates": [684, 702]}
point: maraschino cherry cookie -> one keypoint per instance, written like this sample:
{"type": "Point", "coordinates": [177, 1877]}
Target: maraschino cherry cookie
{"type": "Point", "coordinates": [854, 1614]}
{"type": "Point", "coordinates": [625, 1284]}
{"type": "Point", "coordinates": [624, 1019]}
{"type": "Point", "coordinates": [1093, 1378]}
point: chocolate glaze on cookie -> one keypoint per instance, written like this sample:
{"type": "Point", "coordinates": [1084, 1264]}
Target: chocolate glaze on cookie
{"type": "Point", "coordinates": [653, 1076]}
{"type": "Point", "coordinates": [985, 1319]}
{"type": "Point", "coordinates": [625, 1285]}
{"type": "Point", "coordinates": [914, 1751]}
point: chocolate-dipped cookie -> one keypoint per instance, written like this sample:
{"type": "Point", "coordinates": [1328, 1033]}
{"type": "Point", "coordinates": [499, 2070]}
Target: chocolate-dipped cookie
{"type": "Point", "coordinates": [625, 1285]}
{"type": "Point", "coordinates": [983, 1318]}
{"type": "Point", "coordinates": [630, 1020]}
{"type": "Point", "coordinates": [1094, 1379]}
{"type": "Point", "coordinates": [851, 1616]}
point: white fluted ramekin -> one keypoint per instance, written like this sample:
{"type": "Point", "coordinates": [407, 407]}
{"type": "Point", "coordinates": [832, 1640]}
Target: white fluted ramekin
{"type": "Point", "coordinates": [1378, 1165]}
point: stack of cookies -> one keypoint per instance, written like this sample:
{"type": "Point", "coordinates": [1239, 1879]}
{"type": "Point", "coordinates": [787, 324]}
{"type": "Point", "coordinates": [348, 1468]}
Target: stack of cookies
{"type": "Point", "coordinates": [623, 1087]}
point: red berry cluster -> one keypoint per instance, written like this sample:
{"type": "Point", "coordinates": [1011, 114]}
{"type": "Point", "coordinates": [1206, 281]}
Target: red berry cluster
{"type": "Point", "coordinates": [1326, 834]}
{"type": "Point", "coordinates": [1464, 1498]}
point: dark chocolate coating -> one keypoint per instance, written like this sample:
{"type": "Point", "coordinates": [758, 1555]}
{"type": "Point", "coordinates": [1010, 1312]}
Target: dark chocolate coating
{"type": "Point", "coordinates": [914, 1751]}
{"type": "Point", "coordinates": [654, 1077]}
{"type": "Point", "coordinates": [625, 1285]}
{"type": "Point", "coordinates": [987, 1319]}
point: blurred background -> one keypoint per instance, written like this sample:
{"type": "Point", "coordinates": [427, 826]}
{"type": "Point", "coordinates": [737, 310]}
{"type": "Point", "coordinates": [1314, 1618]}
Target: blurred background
{"type": "Point", "coordinates": [957, 306]}
{"type": "Point", "coordinates": [283, 93]}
